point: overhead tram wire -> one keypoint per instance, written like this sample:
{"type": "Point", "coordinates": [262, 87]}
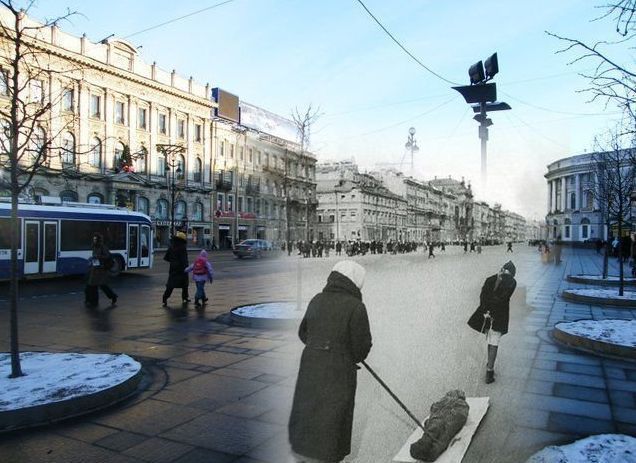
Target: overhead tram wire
{"type": "Point", "coordinates": [404, 48]}
{"type": "Point", "coordinates": [179, 18]}
{"type": "Point", "coordinates": [566, 113]}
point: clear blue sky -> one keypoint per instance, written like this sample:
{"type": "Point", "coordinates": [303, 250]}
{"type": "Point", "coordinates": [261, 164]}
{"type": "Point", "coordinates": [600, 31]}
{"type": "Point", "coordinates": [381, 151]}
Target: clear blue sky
{"type": "Point", "coordinates": [281, 54]}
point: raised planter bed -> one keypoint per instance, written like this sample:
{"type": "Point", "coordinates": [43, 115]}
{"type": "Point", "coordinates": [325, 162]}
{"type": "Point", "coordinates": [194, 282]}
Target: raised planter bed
{"type": "Point", "coordinates": [601, 448]}
{"type": "Point", "coordinates": [611, 280]}
{"type": "Point", "coordinates": [267, 315]}
{"type": "Point", "coordinates": [57, 386]}
{"type": "Point", "coordinates": [613, 337]}
{"type": "Point", "coordinates": [600, 297]}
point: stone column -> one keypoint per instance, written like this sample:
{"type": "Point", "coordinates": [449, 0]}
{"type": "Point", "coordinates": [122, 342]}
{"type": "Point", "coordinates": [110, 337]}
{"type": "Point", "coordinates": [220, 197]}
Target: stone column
{"type": "Point", "coordinates": [564, 198]}
{"type": "Point", "coordinates": [577, 192]}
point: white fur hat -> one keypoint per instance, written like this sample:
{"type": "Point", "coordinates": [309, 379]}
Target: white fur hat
{"type": "Point", "coordinates": [352, 270]}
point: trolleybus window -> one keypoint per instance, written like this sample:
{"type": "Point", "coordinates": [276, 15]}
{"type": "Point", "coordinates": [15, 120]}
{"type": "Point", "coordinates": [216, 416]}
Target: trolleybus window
{"type": "Point", "coordinates": [78, 236]}
{"type": "Point", "coordinates": [5, 236]}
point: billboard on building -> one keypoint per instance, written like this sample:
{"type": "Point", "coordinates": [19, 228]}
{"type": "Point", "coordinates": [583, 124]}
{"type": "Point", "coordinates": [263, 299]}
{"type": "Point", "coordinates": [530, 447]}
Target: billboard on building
{"type": "Point", "coordinates": [268, 122]}
{"type": "Point", "coordinates": [228, 105]}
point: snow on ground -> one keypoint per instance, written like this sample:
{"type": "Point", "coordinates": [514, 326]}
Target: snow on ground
{"type": "Point", "coordinates": [603, 293]}
{"type": "Point", "coordinates": [603, 448]}
{"type": "Point", "coordinates": [620, 332]}
{"type": "Point", "coordinates": [277, 310]}
{"type": "Point", "coordinates": [53, 377]}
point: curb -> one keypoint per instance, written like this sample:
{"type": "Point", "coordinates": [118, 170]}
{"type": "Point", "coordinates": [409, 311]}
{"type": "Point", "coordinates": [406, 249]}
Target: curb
{"type": "Point", "coordinates": [599, 282]}
{"type": "Point", "coordinates": [597, 300]}
{"type": "Point", "coordinates": [593, 346]}
{"type": "Point", "coordinates": [45, 414]}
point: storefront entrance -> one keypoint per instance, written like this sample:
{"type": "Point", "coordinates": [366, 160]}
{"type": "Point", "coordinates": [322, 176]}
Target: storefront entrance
{"type": "Point", "coordinates": [225, 239]}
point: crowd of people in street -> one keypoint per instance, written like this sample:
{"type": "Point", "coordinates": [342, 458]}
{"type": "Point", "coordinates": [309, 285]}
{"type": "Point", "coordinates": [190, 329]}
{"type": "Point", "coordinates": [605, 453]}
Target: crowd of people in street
{"type": "Point", "coordinates": [324, 248]}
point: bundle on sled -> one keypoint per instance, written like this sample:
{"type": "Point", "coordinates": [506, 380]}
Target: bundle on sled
{"type": "Point", "coordinates": [448, 416]}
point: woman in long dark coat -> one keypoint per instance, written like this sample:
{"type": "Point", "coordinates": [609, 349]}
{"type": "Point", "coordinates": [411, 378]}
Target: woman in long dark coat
{"type": "Point", "coordinates": [336, 334]}
{"type": "Point", "coordinates": [177, 255]}
{"type": "Point", "coordinates": [98, 273]}
{"type": "Point", "coordinates": [493, 314]}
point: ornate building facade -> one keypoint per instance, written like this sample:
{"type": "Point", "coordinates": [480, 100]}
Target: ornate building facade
{"type": "Point", "coordinates": [573, 212]}
{"type": "Point", "coordinates": [131, 134]}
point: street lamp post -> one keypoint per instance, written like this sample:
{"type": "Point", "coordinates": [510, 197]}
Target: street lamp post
{"type": "Point", "coordinates": [170, 153]}
{"type": "Point", "coordinates": [411, 145]}
{"type": "Point", "coordinates": [482, 97]}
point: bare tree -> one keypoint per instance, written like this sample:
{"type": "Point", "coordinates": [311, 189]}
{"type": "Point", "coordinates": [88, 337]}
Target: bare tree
{"type": "Point", "coordinates": [304, 120]}
{"type": "Point", "coordinates": [28, 127]}
{"type": "Point", "coordinates": [614, 183]}
{"type": "Point", "coordinates": [611, 79]}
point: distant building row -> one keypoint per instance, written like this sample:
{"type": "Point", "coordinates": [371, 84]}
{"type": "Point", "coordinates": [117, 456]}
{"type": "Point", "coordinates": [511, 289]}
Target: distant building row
{"type": "Point", "coordinates": [386, 205]}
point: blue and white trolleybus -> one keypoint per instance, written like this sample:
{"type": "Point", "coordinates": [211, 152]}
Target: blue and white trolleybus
{"type": "Point", "coordinates": [57, 239]}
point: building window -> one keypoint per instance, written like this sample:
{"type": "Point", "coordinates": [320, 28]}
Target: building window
{"type": "Point", "coordinates": [95, 198]}
{"type": "Point", "coordinates": [572, 201]}
{"type": "Point", "coordinates": [250, 156]}
{"type": "Point", "coordinates": [181, 128]}
{"type": "Point", "coordinates": [68, 196]}
{"type": "Point", "coordinates": [67, 100]}
{"type": "Point", "coordinates": [222, 148]}
{"type": "Point", "coordinates": [119, 112]}
{"type": "Point", "coordinates": [249, 205]}
{"type": "Point", "coordinates": [566, 231]}
{"type": "Point", "coordinates": [241, 153]}
{"type": "Point", "coordinates": [230, 203]}
{"type": "Point", "coordinates": [37, 91]}
{"type": "Point", "coordinates": [197, 132]}
{"type": "Point", "coordinates": [68, 148]}
{"type": "Point", "coordinates": [141, 161]}
{"type": "Point", "coordinates": [198, 169]}
{"type": "Point", "coordinates": [96, 104]}
{"type": "Point", "coordinates": [219, 201]}
{"type": "Point", "coordinates": [197, 213]}
{"type": "Point", "coordinates": [180, 172]}
{"type": "Point", "coordinates": [163, 126]}
{"type": "Point", "coordinates": [95, 154]}
{"type": "Point", "coordinates": [257, 206]}
{"type": "Point", "coordinates": [231, 151]}
{"type": "Point", "coordinates": [161, 211]}
{"type": "Point", "coordinates": [142, 122]}
{"type": "Point", "coordinates": [332, 218]}
{"type": "Point", "coordinates": [161, 165]}
{"type": "Point", "coordinates": [258, 158]}
{"type": "Point", "coordinates": [4, 83]}
{"type": "Point", "coordinates": [118, 161]}
{"type": "Point", "coordinates": [240, 204]}
{"type": "Point", "coordinates": [38, 145]}
{"type": "Point", "coordinates": [143, 205]}
{"type": "Point", "coordinates": [180, 210]}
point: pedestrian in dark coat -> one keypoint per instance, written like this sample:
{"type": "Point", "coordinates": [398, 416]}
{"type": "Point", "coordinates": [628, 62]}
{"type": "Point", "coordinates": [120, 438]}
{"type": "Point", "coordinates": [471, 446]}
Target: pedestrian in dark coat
{"type": "Point", "coordinates": [336, 334]}
{"type": "Point", "coordinates": [98, 273]}
{"type": "Point", "coordinates": [177, 255]}
{"type": "Point", "coordinates": [493, 313]}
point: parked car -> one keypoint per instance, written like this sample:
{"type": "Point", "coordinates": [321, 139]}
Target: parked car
{"type": "Point", "coordinates": [252, 248]}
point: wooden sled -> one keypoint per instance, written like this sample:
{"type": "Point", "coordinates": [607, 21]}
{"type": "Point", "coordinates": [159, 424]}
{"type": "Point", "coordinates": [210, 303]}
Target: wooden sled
{"type": "Point", "coordinates": [459, 445]}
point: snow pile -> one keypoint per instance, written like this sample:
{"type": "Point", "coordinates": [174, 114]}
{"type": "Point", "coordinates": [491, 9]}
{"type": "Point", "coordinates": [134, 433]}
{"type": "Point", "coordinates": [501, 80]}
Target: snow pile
{"type": "Point", "coordinates": [604, 293]}
{"type": "Point", "coordinates": [600, 277]}
{"type": "Point", "coordinates": [603, 448]}
{"type": "Point", "coordinates": [619, 332]}
{"type": "Point", "coordinates": [276, 310]}
{"type": "Point", "coordinates": [51, 377]}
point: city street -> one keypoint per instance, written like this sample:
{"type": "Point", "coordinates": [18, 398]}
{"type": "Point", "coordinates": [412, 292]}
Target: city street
{"type": "Point", "coordinates": [220, 393]}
